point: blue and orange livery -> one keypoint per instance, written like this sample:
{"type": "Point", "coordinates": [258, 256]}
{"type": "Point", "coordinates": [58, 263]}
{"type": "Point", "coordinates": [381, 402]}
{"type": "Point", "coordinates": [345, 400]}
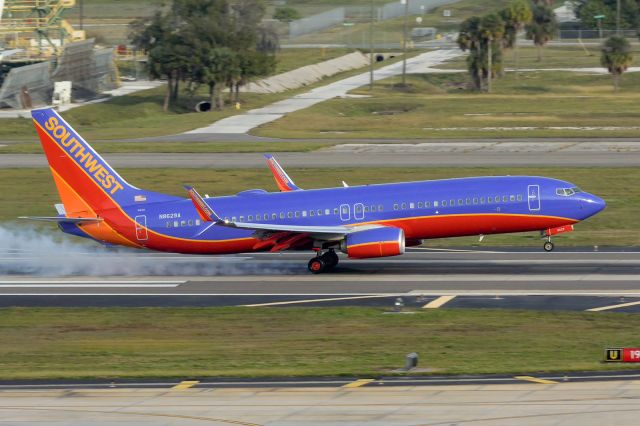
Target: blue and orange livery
{"type": "Point", "coordinates": [361, 221]}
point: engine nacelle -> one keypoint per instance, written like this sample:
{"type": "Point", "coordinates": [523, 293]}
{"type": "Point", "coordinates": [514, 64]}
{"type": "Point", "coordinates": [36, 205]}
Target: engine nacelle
{"type": "Point", "coordinates": [377, 242]}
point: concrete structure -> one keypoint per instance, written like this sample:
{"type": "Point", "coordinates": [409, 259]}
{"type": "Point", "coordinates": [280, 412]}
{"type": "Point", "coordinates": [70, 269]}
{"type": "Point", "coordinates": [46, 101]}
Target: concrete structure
{"type": "Point", "coordinates": [308, 74]}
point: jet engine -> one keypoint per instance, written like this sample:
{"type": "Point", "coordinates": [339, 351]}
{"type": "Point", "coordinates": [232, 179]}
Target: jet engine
{"type": "Point", "coordinates": [376, 242]}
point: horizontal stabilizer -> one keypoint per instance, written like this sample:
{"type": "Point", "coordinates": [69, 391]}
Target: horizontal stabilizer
{"type": "Point", "coordinates": [62, 219]}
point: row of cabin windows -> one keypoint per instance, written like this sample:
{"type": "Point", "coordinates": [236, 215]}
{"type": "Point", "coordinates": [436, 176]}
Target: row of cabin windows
{"type": "Point", "coordinates": [461, 202]}
{"type": "Point", "coordinates": [302, 213]}
{"type": "Point", "coordinates": [183, 223]}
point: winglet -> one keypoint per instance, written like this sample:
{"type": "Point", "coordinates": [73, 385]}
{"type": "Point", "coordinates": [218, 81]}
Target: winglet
{"type": "Point", "coordinates": [206, 213]}
{"type": "Point", "coordinates": [284, 182]}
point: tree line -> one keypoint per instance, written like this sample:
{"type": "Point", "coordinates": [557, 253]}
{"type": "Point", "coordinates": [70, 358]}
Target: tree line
{"type": "Point", "coordinates": [486, 37]}
{"type": "Point", "coordinates": [213, 43]}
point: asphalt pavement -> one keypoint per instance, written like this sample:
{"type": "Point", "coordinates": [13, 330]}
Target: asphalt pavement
{"type": "Point", "coordinates": [578, 280]}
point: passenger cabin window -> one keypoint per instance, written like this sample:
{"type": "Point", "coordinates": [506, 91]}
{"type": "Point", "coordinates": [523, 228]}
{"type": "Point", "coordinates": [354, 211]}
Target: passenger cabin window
{"type": "Point", "coordinates": [519, 197]}
{"type": "Point", "coordinates": [512, 197]}
{"type": "Point", "coordinates": [395, 207]}
{"type": "Point", "coordinates": [420, 204]}
{"type": "Point", "coordinates": [435, 204]}
{"type": "Point", "coordinates": [380, 207]}
{"type": "Point", "coordinates": [289, 215]}
{"type": "Point", "coordinates": [404, 206]}
{"type": "Point", "coordinates": [312, 213]}
{"type": "Point", "coordinates": [444, 203]}
{"type": "Point", "coordinates": [197, 222]}
{"type": "Point", "coordinates": [412, 205]}
{"type": "Point", "coordinates": [281, 215]}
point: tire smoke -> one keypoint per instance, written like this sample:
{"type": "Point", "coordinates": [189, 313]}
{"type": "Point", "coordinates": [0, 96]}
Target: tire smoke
{"type": "Point", "coordinates": [34, 251]}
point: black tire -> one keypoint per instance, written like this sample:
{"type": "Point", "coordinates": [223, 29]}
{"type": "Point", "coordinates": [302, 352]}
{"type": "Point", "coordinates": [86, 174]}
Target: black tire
{"type": "Point", "coordinates": [331, 258]}
{"type": "Point", "coordinates": [548, 246]}
{"type": "Point", "coordinates": [317, 265]}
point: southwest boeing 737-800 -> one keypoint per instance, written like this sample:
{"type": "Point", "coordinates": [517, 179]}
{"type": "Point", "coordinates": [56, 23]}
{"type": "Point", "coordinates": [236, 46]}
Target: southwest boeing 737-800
{"type": "Point", "coordinates": [362, 221]}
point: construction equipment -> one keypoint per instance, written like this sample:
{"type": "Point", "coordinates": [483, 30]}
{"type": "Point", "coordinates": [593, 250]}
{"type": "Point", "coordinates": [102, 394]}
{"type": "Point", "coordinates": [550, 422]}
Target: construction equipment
{"type": "Point", "coordinates": [37, 26]}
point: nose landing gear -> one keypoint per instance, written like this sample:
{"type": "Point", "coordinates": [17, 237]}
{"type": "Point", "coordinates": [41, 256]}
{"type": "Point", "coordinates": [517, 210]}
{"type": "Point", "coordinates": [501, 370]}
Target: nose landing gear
{"type": "Point", "coordinates": [323, 262]}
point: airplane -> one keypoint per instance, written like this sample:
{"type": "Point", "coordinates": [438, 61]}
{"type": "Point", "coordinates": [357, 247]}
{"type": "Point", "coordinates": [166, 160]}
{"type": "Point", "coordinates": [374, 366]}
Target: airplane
{"type": "Point", "coordinates": [364, 221]}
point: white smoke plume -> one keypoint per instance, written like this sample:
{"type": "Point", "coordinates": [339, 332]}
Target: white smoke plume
{"type": "Point", "coordinates": [34, 251]}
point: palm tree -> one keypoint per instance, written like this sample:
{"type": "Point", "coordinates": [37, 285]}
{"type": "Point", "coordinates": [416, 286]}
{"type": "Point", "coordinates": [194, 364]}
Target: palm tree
{"type": "Point", "coordinates": [515, 16]}
{"type": "Point", "coordinates": [542, 26]}
{"type": "Point", "coordinates": [492, 31]}
{"type": "Point", "coordinates": [616, 57]}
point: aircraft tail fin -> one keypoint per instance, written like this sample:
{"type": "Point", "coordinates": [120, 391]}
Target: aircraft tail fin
{"type": "Point", "coordinates": [85, 181]}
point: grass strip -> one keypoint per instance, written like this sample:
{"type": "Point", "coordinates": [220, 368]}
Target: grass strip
{"type": "Point", "coordinates": [73, 343]}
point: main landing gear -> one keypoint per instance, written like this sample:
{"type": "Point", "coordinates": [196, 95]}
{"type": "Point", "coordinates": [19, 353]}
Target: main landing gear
{"type": "Point", "coordinates": [323, 262]}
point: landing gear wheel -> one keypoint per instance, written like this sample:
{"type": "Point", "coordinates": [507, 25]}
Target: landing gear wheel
{"type": "Point", "coordinates": [548, 246]}
{"type": "Point", "coordinates": [317, 265]}
{"type": "Point", "coordinates": [331, 258]}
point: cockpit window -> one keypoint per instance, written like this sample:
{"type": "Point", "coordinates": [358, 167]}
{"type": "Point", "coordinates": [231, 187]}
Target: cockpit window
{"type": "Point", "coordinates": [567, 192]}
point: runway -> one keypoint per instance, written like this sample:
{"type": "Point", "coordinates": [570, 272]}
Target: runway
{"type": "Point", "coordinates": [335, 159]}
{"type": "Point", "coordinates": [334, 402]}
{"type": "Point", "coordinates": [580, 280]}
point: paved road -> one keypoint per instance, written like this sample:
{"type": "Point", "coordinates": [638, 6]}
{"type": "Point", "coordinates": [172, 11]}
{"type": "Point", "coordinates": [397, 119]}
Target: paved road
{"type": "Point", "coordinates": [527, 280]}
{"type": "Point", "coordinates": [243, 123]}
{"type": "Point", "coordinates": [550, 403]}
{"type": "Point", "coordinates": [465, 154]}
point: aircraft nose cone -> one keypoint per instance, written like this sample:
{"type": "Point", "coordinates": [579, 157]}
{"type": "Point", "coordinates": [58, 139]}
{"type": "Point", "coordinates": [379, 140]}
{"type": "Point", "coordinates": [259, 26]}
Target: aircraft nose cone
{"type": "Point", "coordinates": [593, 204]}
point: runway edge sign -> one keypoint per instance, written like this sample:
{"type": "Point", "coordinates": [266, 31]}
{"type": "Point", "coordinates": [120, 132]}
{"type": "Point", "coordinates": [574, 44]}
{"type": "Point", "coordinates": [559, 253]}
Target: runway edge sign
{"type": "Point", "coordinates": [622, 355]}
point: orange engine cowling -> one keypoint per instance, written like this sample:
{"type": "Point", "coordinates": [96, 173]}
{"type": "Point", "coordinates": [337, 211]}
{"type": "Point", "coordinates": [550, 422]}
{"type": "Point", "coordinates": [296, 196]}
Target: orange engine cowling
{"type": "Point", "coordinates": [377, 242]}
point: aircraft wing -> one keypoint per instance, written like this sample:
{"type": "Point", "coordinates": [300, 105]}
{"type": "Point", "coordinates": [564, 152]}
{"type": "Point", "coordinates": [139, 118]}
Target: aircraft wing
{"type": "Point", "coordinates": [284, 182]}
{"type": "Point", "coordinates": [281, 236]}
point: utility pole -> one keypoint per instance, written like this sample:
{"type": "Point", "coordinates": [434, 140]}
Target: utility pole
{"type": "Point", "coordinates": [618, 17]}
{"type": "Point", "coordinates": [404, 42]}
{"type": "Point", "coordinates": [371, 49]}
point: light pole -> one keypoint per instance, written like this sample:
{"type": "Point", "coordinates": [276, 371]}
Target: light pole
{"type": "Point", "coordinates": [371, 49]}
{"type": "Point", "coordinates": [599, 19]}
{"type": "Point", "coordinates": [618, 17]}
{"type": "Point", "coordinates": [404, 42]}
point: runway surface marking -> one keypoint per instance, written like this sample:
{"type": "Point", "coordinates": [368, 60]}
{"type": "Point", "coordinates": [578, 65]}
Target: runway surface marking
{"type": "Point", "coordinates": [621, 305]}
{"type": "Point", "coordinates": [332, 299]}
{"type": "Point", "coordinates": [426, 277]}
{"type": "Point", "coordinates": [358, 383]}
{"type": "Point", "coordinates": [447, 250]}
{"type": "Point", "coordinates": [440, 301]}
{"type": "Point", "coordinates": [536, 380]}
{"type": "Point", "coordinates": [76, 281]}
{"type": "Point", "coordinates": [186, 384]}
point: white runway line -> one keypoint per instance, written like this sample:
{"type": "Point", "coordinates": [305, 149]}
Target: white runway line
{"type": "Point", "coordinates": [332, 299]}
{"type": "Point", "coordinates": [89, 284]}
{"type": "Point", "coordinates": [610, 307]}
{"type": "Point", "coordinates": [425, 278]}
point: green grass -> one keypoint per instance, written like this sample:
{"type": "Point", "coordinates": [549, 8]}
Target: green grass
{"type": "Point", "coordinates": [77, 343]}
{"type": "Point", "coordinates": [553, 57]}
{"type": "Point", "coordinates": [290, 59]}
{"type": "Point", "coordinates": [436, 101]}
{"type": "Point", "coordinates": [31, 192]}
{"type": "Point", "coordinates": [179, 147]}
